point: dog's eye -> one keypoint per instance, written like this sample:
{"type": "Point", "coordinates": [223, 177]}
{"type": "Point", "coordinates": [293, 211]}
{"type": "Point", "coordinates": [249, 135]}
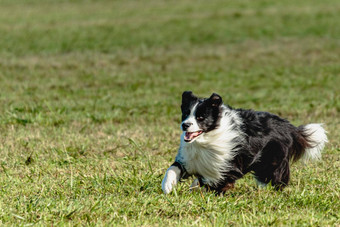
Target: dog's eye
{"type": "Point", "coordinates": [200, 118]}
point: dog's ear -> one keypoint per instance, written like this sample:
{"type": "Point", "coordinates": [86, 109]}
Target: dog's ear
{"type": "Point", "coordinates": [188, 96]}
{"type": "Point", "coordinates": [215, 100]}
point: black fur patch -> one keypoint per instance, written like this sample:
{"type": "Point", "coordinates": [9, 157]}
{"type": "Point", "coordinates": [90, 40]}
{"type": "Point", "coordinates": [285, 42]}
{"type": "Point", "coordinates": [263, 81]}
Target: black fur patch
{"type": "Point", "coordinates": [188, 102]}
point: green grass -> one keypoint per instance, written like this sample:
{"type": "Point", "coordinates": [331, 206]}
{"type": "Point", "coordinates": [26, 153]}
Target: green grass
{"type": "Point", "coordinates": [89, 106]}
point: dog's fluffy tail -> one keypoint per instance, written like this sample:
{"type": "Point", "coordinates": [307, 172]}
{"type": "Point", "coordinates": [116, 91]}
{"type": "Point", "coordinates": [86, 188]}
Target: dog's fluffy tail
{"type": "Point", "coordinates": [309, 142]}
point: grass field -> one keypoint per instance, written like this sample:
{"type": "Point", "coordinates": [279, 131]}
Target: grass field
{"type": "Point", "coordinates": [89, 107]}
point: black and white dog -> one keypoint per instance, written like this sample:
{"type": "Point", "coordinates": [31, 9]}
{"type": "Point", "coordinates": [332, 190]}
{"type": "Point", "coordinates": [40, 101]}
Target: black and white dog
{"type": "Point", "coordinates": [220, 144]}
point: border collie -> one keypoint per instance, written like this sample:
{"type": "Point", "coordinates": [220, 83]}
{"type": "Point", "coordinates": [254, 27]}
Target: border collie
{"type": "Point", "coordinates": [220, 144]}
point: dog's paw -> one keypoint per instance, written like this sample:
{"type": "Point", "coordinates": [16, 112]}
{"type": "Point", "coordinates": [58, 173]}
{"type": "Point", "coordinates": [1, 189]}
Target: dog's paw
{"type": "Point", "coordinates": [195, 185]}
{"type": "Point", "coordinates": [170, 179]}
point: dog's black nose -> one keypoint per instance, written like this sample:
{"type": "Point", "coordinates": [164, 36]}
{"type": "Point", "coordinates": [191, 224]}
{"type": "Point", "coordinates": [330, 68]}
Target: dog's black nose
{"type": "Point", "coordinates": [185, 126]}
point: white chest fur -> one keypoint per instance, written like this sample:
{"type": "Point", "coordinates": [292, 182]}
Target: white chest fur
{"type": "Point", "coordinates": [210, 154]}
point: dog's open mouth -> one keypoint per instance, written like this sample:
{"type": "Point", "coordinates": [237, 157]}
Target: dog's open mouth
{"type": "Point", "coordinates": [189, 136]}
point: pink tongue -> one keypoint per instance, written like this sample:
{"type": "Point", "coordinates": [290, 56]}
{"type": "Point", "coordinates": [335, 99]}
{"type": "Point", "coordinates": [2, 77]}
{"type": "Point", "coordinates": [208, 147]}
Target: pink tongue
{"type": "Point", "coordinates": [191, 135]}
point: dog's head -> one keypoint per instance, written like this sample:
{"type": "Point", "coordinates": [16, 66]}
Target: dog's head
{"type": "Point", "coordinates": [199, 116]}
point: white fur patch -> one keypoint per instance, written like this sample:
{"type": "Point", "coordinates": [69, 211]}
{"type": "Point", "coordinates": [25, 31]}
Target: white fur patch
{"type": "Point", "coordinates": [209, 154]}
{"type": "Point", "coordinates": [318, 138]}
{"type": "Point", "coordinates": [170, 179]}
{"type": "Point", "coordinates": [260, 184]}
{"type": "Point", "coordinates": [192, 121]}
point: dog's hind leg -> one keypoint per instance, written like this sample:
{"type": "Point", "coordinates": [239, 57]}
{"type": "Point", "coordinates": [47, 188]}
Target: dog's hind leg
{"type": "Point", "coordinates": [281, 176]}
{"type": "Point", "coordinates": [278, 177]}
{"type": "Point", "coordinates": [273, 166]}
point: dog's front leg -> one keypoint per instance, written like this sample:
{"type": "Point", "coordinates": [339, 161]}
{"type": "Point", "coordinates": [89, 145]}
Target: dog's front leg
{"type": "Point", "coordinates": [172, 176]}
